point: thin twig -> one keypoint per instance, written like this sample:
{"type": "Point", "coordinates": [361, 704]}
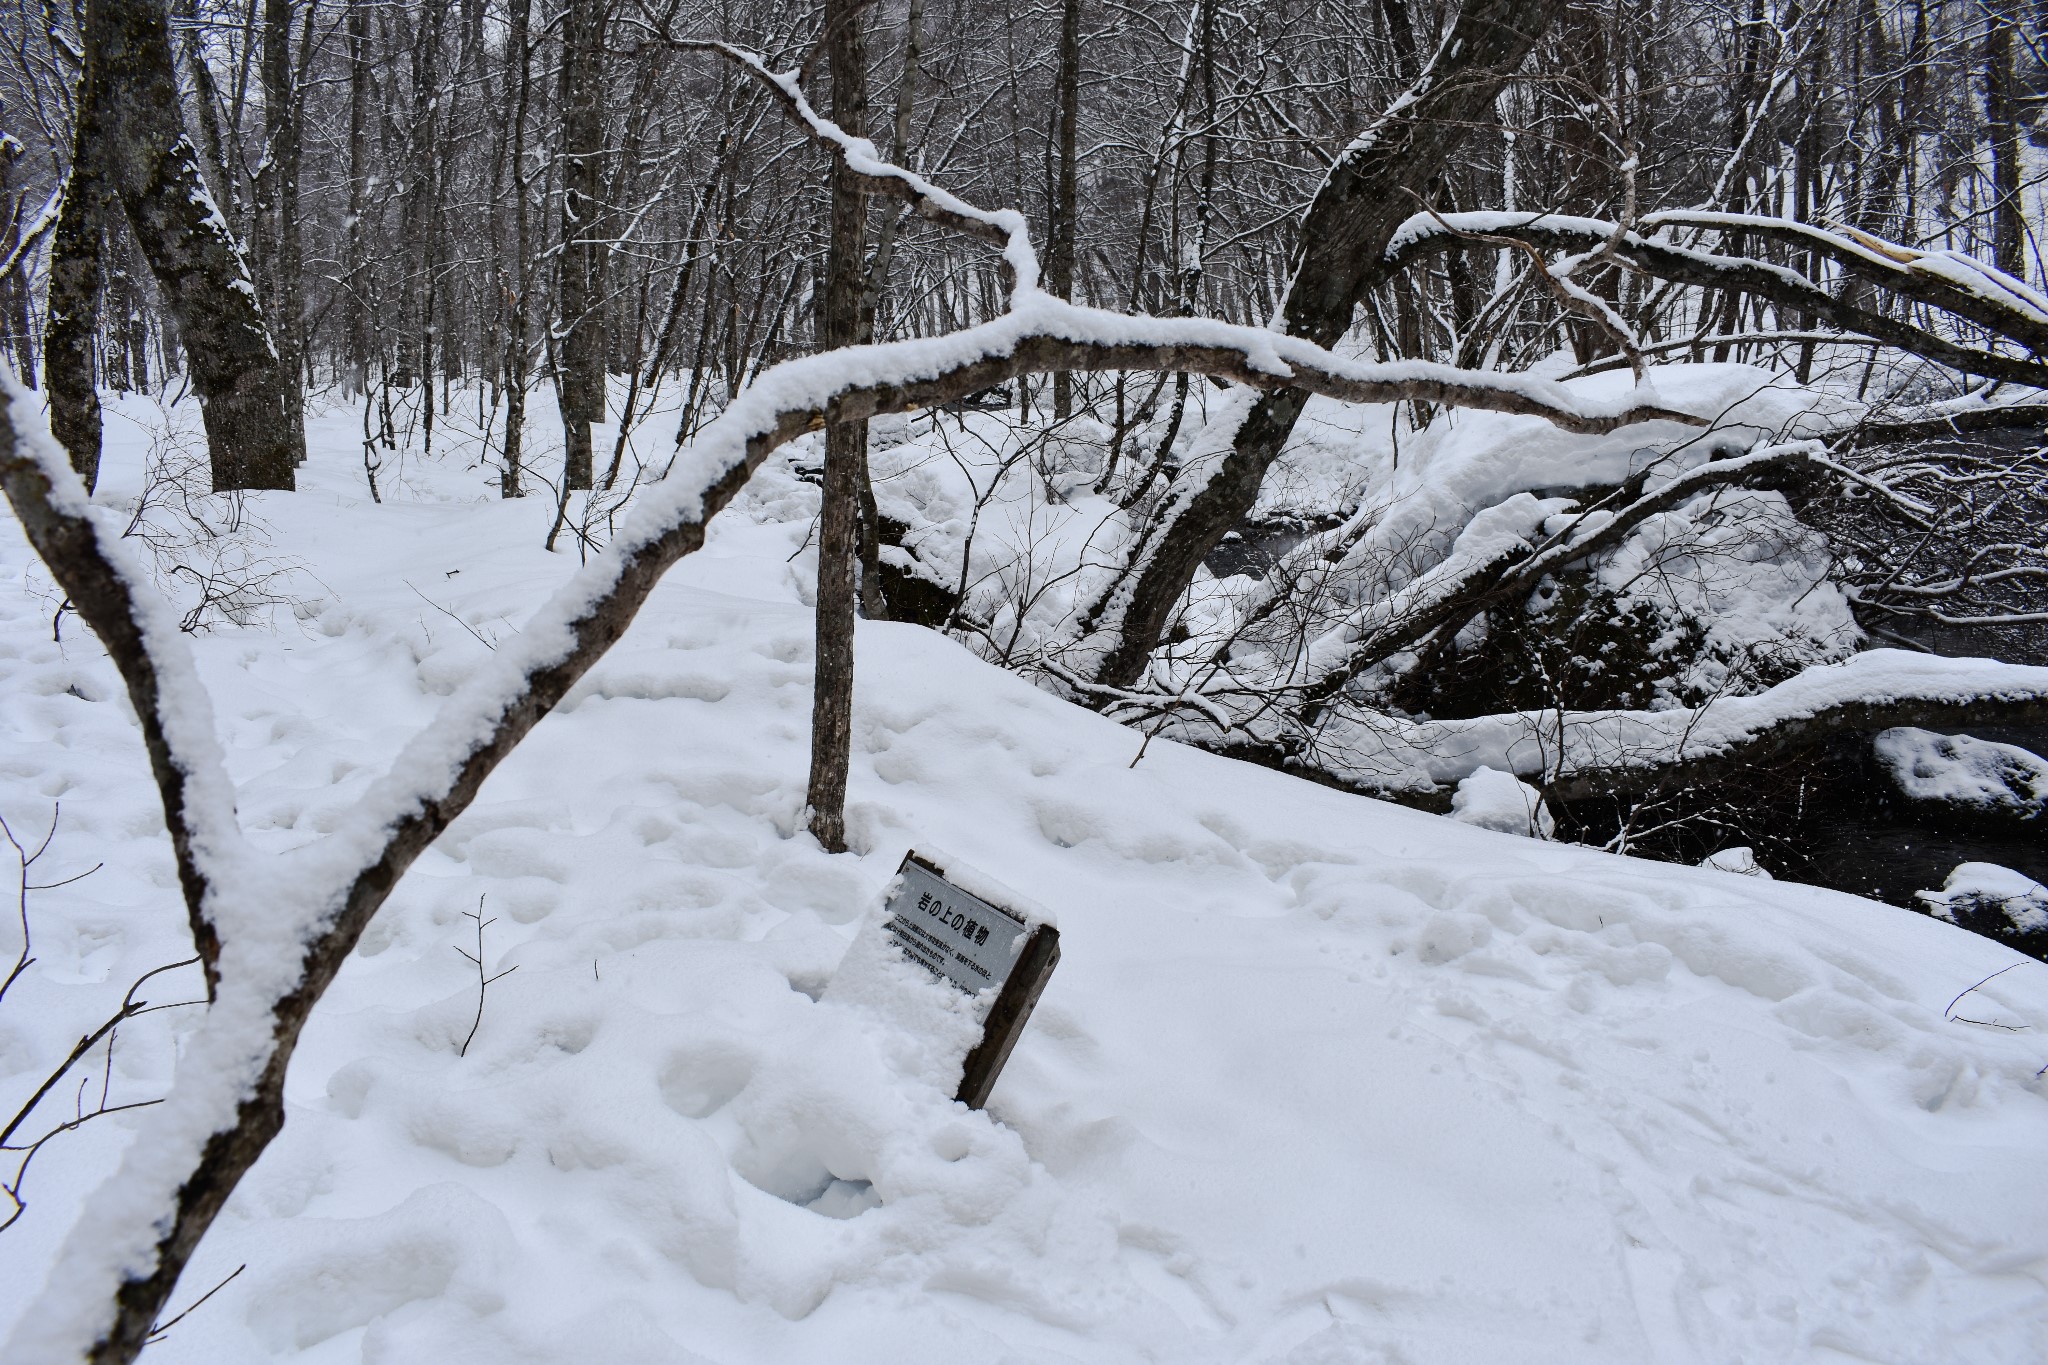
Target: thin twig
{"type": "Point", "coordinates": [451, 616]}
{"type": "Point", "coordinates": [157, 1333]}
{"type": "Point", "coordinates": [130, 1008]}
{"type": "Point", "coordinates": [483, 982]}
{"type": "Point", "coordinates": [1949, 1013]}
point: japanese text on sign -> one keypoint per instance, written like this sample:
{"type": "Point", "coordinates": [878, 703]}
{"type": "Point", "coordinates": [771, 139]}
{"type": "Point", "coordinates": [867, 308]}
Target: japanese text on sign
{"type": "Point", "coordinates": [951, 933]}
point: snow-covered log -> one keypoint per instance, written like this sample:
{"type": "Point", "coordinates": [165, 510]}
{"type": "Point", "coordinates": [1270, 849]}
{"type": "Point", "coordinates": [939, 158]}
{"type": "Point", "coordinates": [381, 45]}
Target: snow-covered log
{"type": "Point", "coordinates": [1574, 755]}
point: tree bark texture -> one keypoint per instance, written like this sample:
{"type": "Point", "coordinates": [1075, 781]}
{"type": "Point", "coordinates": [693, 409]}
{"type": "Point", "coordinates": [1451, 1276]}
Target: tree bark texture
{"type": "Point", "coordinates": [839, 324]}
{"type": "Point", "coordinates": [583, 253]}
{"type": "Point", "coordinates": [131, 147]}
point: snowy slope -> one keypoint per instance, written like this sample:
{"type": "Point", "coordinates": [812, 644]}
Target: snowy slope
{"type": "Point", "coordinates": [1318, 1080]}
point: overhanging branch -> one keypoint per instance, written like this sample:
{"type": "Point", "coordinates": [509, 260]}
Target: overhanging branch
{"type": "Point", "coordinates": [1422, 235]}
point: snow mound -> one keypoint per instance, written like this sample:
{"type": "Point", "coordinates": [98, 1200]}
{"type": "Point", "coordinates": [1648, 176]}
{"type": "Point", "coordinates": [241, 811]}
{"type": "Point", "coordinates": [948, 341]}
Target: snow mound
{"type": "Point", "coordinates": [1317, 1079]}
{"type": "Point", "coordinates": [1965, 771]}
{"type": "Point", "coordinates": [1741, 860]}
{"type": "Point", "coordinates": [1492, 799]}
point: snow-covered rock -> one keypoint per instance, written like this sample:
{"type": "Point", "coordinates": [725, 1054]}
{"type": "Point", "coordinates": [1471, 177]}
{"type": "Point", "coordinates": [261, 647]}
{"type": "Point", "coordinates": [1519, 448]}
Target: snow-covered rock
{"type": "Point", "coordinates": [1492, 799]}
{"type": "Point", "coordinates": [1961, 770]}
{"type": "Point", "coordinates": [1740, 859]}
{"type": "Point", "coordinates": [1987, 887]}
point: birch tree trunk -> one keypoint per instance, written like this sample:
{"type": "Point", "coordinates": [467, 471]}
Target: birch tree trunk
{"type": "Point", "coordinates": [131, 146]}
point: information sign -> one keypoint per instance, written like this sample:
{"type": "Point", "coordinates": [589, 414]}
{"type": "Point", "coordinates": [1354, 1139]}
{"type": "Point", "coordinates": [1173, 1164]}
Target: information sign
{"type": "Point", "coordinates": [976, 946]}
{"type": "Point", "coordinates": [958, 936]}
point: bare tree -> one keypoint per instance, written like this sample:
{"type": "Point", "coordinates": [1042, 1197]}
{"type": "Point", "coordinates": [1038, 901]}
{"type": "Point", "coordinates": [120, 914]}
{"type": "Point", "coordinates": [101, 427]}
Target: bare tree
{"type": "Point", "coordinates": [846, 440]}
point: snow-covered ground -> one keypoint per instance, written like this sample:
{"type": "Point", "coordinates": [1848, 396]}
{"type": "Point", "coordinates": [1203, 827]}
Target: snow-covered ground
{"type": "Point", "coordinates": [1318, 1080]}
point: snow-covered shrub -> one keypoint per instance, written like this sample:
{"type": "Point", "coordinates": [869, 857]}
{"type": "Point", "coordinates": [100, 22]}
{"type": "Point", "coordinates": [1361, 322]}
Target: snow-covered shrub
{"type": "Point", "coordinates": [1726, 595]}
{"type": "Point", "coordinates": [208, 552]}
{"type": "Point", "coordinates": [1740, 859]}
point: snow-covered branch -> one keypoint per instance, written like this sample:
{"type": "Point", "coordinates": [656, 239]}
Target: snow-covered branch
{"type": "Point", "coordinates": [1944, 280]}
{"type": "Point", "coordinates": [1951, 280]}
{"type": "Point", "coordinates": [140, 631]}
{"type": "Point", "coordinates": [1005, 228]}
{"type": "Point", "coordinates": [32, 233]}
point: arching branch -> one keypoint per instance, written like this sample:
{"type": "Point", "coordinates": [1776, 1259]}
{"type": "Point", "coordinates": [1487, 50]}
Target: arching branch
{"type": "Point", "coordinates": [2009, 316]}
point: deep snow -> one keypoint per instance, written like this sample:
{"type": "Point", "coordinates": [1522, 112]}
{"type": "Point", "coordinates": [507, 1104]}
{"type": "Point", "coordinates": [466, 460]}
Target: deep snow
{"type": "Point", "coordinates": [1318, 1079]}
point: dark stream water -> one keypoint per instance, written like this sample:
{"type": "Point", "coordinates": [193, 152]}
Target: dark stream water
{"type": "Point", "coordinates": [1875, 843]}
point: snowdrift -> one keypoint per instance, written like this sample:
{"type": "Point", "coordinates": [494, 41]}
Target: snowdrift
{"type": "Point", "coordinates": [1318, 1079]}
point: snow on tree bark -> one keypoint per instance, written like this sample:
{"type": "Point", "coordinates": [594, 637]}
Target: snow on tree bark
{"type": "Point", "coordinates": [131, 141]}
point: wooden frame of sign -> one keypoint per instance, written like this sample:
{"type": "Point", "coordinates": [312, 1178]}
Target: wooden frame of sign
{"type": "Point", "coordinates": [967, 940]}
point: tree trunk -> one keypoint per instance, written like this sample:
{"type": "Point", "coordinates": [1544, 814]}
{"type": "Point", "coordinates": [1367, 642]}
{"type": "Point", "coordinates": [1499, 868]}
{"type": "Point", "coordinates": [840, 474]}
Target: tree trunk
{"type": "Point", "coordinates": [519, 80]}
{"type": "Point", "coordinates": [1060, 241]}
{"type": "Point", "coordinates": [277, 203]}
{"type": "Point", "coordinates": [1340, 258]}
{"type": "Point", "coordinates": [355, 288]}
{"type": "Point", "coordinates": [2001, 126]}
{"type": "Point", "coordinates": [16, 324]}
{"type": "Point", "coordinates": [415, 356]}
{"type": "Point", "coordinates": [874, 601]}
{"type": "Point", "coordinates": [583, 254]}
{"type": "Point", "coordinates": [839, 322]}
{"type": "Point", "coordinates": [70, 359]}
{"type": "Point", "coordinates": [131, 145]}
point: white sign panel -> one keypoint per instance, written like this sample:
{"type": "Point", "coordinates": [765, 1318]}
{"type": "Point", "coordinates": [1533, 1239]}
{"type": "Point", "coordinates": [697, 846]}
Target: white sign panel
{"type": "Point", "coordinates": [954, 935]}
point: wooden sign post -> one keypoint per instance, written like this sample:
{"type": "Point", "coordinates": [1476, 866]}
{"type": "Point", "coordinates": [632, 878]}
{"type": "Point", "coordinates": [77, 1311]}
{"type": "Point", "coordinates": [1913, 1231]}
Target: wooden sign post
{"type": "Point", "coordinates": [976, 945]}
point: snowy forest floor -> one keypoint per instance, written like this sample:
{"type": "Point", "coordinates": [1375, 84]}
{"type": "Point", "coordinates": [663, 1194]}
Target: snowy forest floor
{"type": "Point", "coordinates": [1318, 1080]}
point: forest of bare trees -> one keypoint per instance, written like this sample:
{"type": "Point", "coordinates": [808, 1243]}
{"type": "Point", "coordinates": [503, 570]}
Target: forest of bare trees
{"type": "Point", "coordinates": [429, 193]}
{"type": "Point", "coordinates": [1127, 245]}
